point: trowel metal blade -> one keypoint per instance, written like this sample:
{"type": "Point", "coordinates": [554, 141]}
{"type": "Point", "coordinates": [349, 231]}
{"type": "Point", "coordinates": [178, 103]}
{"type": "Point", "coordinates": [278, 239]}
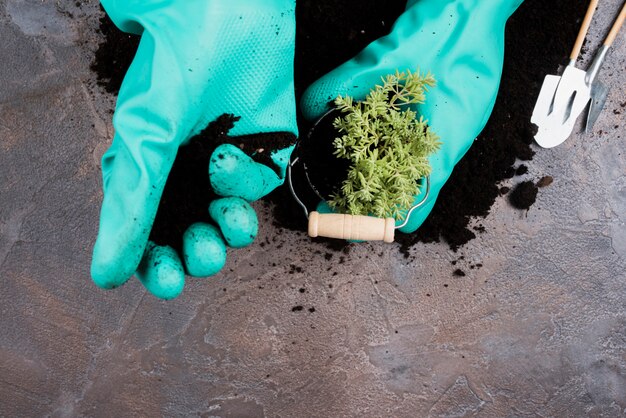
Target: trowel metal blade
{"type": "Point", "coordinates": [599, 93]}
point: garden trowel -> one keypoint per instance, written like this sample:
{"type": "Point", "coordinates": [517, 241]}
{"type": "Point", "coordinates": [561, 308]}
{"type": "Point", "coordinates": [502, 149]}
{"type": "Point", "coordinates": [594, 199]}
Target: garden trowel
{"type": "Point", "coordinates": [599, 92]}
{"type": "Point", "coordinates": [562, 99]}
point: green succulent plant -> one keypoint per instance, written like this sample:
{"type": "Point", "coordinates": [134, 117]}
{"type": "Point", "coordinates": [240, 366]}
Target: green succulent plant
{"type": "Point", "coordinates": [387, 146]}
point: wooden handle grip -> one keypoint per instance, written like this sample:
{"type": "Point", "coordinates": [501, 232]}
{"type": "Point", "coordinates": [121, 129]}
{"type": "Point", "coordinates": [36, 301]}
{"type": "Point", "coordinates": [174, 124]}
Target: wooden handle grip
{"type": "Point", "coordinates": [616, 27]}
{"type": "Point", "coordinates": [583, 30]}
{"type": "Point", "coordinates": [351, 227]}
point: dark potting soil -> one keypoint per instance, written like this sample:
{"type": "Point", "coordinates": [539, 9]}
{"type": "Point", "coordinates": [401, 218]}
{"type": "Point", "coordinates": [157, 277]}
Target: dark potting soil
{"type": "Point", "coordinates": [521, 170]}
{"type": "Point", "coordinates": [114, 55]}
{"type": "Point", "coordinates": [330, 32]}
{"type": "Point", "coordinates": [325, 171]}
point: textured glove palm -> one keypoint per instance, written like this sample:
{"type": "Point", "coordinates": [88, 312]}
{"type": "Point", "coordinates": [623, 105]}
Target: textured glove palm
{"type": "Point", "coordinates": [461, 42]}
{"type": "Point", "coordinates": [197, 59]}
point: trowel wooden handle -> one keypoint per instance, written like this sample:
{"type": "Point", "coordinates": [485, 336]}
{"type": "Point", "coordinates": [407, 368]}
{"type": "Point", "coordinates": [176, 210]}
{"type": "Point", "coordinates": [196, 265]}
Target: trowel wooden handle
{"type": "Point", "coordinates": [351, 227]}
{"type": "Point", "coordinates": [616, 27]}
{"type": "Point", "coordinates": [583, 30]}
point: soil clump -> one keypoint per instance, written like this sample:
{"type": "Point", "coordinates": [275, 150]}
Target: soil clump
{"type": "Point", "coordinates": [523, 195]}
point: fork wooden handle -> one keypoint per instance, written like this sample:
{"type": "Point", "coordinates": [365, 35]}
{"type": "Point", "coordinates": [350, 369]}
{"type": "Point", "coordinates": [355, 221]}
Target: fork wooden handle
{"type": "Point", "coordinates": [583, 30]}
{"type": "Point", "coordinates": [616, 27]}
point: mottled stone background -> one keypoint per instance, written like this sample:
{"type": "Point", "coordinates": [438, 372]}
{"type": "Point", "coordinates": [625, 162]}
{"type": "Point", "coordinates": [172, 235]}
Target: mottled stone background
{"type": "Point", "coordinates": [538, 330]}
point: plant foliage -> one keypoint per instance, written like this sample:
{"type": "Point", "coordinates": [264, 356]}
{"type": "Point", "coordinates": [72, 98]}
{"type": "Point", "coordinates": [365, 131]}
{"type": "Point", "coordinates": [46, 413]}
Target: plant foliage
{"type": "Point", "coordinates": [387, 145]}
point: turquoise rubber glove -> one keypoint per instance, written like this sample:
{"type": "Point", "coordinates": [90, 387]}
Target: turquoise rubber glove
{"type": "Point", "coordinates": [461, 42]}
{"type": "Point", "coordinates": [197, 60]}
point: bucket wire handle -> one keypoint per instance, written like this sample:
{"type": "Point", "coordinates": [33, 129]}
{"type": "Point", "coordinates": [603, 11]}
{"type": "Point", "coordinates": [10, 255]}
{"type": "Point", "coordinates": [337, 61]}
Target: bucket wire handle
{"type": "Point", "coordinates": [352, 227]}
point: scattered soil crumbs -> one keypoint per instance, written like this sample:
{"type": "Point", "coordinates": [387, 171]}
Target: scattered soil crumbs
{"type": "Point", "coordinates": [294, 269]}
{"type": "Point", "coordinates": [524, 195]}
{"type": "Point", "coordinates": [332, 31]}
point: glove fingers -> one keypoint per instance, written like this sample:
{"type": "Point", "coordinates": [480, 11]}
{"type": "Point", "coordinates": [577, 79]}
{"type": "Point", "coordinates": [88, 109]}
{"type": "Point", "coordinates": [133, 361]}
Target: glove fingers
{"type": "Point", "coordinates": [234, 174]}
{"type": "Point", "coordinates": [136, 167]}
{"type": "Point", "coordinates": [193, 59]}
{"type": "Point", "coordinates": [237, 221]}
{"type": "Point", "coordinates": [128, 209]}
{"type": "Point", "coordinates": [204, 250]}
{"type": "Point", "coordinates": [161, 272]}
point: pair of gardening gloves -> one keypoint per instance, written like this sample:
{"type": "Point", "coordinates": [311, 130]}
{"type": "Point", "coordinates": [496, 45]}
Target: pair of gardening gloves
{"type": "Point", "coordinates": [199, 59]}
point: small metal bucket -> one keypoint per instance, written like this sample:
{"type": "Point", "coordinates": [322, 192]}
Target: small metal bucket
{"type": "Point", "coordinates": [347, 219]}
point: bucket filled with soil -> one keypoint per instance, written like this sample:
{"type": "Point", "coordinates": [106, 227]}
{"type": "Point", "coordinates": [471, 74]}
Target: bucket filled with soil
{"type": "Point", "coordinates": [368, 161]}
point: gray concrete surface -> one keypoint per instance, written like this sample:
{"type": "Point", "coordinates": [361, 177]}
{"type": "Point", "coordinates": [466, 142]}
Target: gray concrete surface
{"type": "Point", "coordinates": [539, 330]}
